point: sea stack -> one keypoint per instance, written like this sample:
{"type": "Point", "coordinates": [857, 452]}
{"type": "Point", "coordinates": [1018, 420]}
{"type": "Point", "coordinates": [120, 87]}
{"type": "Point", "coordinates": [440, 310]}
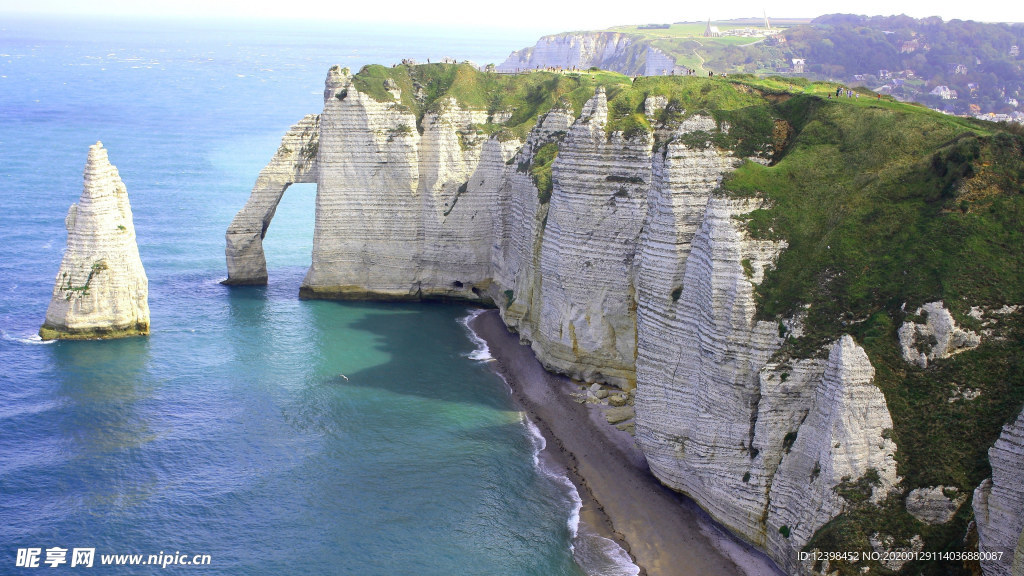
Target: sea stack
{"type": "Point", "coordinates": [101, 290]}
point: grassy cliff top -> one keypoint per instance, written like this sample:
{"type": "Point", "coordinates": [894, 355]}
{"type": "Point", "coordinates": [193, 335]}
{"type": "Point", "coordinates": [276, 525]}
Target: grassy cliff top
{"type": "Point", "coordinates": [525, 96]}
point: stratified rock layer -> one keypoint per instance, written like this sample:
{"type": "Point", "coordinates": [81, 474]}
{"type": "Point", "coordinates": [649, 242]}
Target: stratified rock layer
{"type": "Point", "coordinates": [399, 214]}
{"type": "Point", "coordinates": [761, 446]}
{"type": "Point", "coordinates": [295, 162]}
{"type": "Point", "coordinates": [101, 290]}
{"type": "Point", "coordinates": [999, 501]}
{"type": "Point", "coordinates": [605, 50]}
{"type": "Point", "coordinates": [932, 506]}
{"type": "Point", "coordinates": [586, 298]}
{"type": "Point", "coordinates": [632, 271]}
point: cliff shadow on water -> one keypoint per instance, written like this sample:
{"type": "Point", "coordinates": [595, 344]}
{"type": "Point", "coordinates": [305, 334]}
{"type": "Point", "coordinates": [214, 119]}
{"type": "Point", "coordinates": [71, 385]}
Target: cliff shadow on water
{"type": "Point", "coordinates": [420, 349]}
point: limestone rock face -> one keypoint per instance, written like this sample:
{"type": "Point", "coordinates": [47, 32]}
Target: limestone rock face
{"type": "Point", "coordinates": [606, 50]}
{"type": "Point", "coordinates": [999, 500]}
{"type": "Point", "coordinates": [399, 214]}
{"type": "Point", "coordinates": [101, 290]}
{"type": "Point", "coordinates": [1018, 557]}
{"type": "Point", "coordinates": [519, 230]}
{"type": "Point", "coordinates": [932, 506]}
{"type": "Point", "coordinates": [937, 337]}
{"type": "Point", "coordinates": [701, 351]}
{"type": "Point", "coordinates": [294, 162]}
{"type": "Point", "coordinates": [586, 299]}
{"type": "Point", "coordinates": [843, 439]}
{"type": "Point", "coordinates": [682, 180]}
{"type": "Point", "coordinates": [761, 446]}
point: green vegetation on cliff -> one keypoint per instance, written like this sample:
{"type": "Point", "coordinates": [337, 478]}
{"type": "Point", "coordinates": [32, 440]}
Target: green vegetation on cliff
{"type": "Point", "coordinates": [524, 97]}
{"type": "Point", "coordinates": [884, 207]}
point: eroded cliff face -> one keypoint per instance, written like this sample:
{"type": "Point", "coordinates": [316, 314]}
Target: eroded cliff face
{"type": "Point", "coordinates": [585, 294]}
{"type": "Point", "coordinates": [634, 269]}
{"type": "Point", "coordinates": [999, 503]}
{"type": "Point", "coordinates": [760, 445]}
{"type": "Point", "coordinates": [623, 53]}
{"type": "Point", "coordinates": [295, 162]}
{"type": "Point", "coordinates": [400, 214]}
{"type": "Point", "coordinates": [101, 290]}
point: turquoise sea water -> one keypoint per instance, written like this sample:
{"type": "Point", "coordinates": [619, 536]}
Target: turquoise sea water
{"type": "Point", "coordinates": [275, 435]}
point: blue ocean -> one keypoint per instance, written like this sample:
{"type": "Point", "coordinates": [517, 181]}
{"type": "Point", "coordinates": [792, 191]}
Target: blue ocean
{"type": "Point", "coordinates": [252, 431]}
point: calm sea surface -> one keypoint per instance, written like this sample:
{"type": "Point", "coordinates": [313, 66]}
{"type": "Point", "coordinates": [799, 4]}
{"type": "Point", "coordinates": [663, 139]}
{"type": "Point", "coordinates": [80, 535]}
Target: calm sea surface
{"type": "Point", "coordinates": [230, 431]}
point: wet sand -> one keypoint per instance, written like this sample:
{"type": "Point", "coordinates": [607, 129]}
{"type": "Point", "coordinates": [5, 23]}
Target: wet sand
{"type": "Point", "coordinates": [666, 533]}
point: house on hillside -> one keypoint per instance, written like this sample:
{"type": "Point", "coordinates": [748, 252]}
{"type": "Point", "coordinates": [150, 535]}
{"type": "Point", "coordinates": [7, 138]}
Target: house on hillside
{"type": "Point", "coordinates": [884, 74]}
{"type": "Point", "coordinates": [960, 69]}
{"type": "Point", "coordinates": [909, 46]}
{"type": "Point", "coordinates": [943, 92]}
{"type": "Point", "coordinates": [1014, 50]}
{"type": "Point", "coordinates": [798, 65]}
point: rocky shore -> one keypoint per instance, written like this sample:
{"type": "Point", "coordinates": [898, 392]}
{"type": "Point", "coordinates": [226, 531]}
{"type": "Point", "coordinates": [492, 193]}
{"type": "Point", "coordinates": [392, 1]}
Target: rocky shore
{"type": "Point", "coordinates": [664, 532]}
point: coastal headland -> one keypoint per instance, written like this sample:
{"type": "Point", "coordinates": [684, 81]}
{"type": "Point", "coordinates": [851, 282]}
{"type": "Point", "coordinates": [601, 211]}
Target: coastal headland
{"type": "Point", "coordinates": [805, 293]}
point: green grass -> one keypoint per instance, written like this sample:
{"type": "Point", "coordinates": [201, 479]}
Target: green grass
{"type": "Point", "coordinates": [884, 204]}
{"type": "Point", "coordinates": [527, 96]}
{"type": "Point", "coordinates": [540, 169]}
{"type": "Point", "coordinates": [734, 101]}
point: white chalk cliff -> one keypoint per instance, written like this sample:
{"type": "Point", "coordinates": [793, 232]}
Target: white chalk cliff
{"type": "Point", "coordinates": [615, 51]}
{"type": "Point", "coordinates": [999, 503]}
{"type": "Point", "coordinates": [101, 290]}
{"type": "Point", "coordinates": [295, 162]}
{"type": "Point", "coordinates": [761, 446]}
{"type": "Point", "coordinates": [636, 270]}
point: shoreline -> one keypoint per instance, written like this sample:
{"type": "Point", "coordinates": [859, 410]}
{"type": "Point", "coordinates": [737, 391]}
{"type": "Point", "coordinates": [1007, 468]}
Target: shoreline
{"type": "Point", "coordinates": [662, 530]}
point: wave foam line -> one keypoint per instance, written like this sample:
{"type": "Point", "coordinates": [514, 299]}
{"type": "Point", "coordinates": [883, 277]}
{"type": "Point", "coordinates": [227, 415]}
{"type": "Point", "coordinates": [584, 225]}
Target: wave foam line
{"type": "Point", "coordinates": [33, 339]}
{"type": "Point", "coordinates": [482, 353]}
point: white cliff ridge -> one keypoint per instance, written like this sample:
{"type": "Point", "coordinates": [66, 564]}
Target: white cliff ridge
{"type": "Point", "coordinates": [101, 289]}
{"type": "Point", "coordinates": [616, 51]}
{"type": "Point", "coordinates": [999, 503]}
{"type": "Point", "coordinates": [634, 268]}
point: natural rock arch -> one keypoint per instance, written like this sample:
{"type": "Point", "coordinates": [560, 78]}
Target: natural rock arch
{"type": "Point", "coordinates": [294, 163]}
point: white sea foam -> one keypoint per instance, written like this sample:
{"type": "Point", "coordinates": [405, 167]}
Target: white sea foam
{"type": "Point", "coordinates": [595, 554]}
{"type": "Point", "coordinates": [31, 339]}
{"type": "Point", "coordinates": [600, 556]}
{"type": "Point", "coordinates": [482, 353]}
{"type": "Point", "coordinates": [539, 444]}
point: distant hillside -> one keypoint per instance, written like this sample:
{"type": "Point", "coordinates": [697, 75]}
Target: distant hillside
{"type": "Point", "coordinates": [982, 63]}
{"type": "Point", "coordinates": [962, 67]}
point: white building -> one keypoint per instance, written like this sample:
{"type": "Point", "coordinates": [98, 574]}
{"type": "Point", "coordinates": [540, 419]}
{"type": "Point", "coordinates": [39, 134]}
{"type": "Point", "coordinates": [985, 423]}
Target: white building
{"type": "Point", "coordinates": [943, 92]}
